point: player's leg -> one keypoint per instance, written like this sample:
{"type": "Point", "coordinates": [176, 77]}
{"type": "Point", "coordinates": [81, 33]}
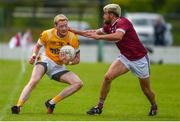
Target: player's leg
{"type": "Point", "coordinates": [145, 86]}
{"type": "Point", "coordinates": [74, 85]}
{"type": "Point", "coordinates": [37, 73]}
{"type": "Point", "coordinates": [141, 68]}
{"type": "Point", "coordinates": [116, 69]}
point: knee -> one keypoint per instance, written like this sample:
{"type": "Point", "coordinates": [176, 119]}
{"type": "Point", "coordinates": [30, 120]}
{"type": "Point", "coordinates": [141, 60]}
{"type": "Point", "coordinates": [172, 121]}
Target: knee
{"type": "Point", "coordinates": [32, 83]}
{"type": "Point", "coordinates": [146, 91]}
{"type": "Point", "coordinates": [79, 84]}
{"type": "Point", "coordinates": [107, 78]}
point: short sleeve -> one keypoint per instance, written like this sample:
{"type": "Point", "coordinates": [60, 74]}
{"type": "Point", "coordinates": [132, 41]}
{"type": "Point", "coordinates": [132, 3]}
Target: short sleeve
{"type": "Point", "coordinates": [123, 25]}
{"type": "Point", "coordinates": [75, 42]}
{"type": "Point", "coordinates": [43, 38]}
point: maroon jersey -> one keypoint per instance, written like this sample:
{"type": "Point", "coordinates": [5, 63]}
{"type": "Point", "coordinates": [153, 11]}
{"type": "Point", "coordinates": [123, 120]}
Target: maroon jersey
{"type": "Point", "coordinates": [130, 45]}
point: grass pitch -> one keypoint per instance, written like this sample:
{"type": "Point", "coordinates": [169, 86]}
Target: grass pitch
{"type": "Point", "coordinates": [124, 102]}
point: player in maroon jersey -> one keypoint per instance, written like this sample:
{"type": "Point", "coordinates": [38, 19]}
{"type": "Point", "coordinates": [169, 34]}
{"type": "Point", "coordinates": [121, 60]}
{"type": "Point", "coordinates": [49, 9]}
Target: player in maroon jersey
{"type": "Point", "coordinates": [133, 55]}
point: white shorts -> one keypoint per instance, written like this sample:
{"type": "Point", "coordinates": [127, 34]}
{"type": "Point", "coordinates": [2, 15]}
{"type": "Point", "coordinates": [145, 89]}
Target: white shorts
{"type": "Point", "coordinates": [51, 68]}
{"type": "Point", "coordinates": [140, 67]}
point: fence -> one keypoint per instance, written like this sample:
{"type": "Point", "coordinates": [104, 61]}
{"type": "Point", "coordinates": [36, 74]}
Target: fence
{"type": "Point", "coordinates": [170, 55]}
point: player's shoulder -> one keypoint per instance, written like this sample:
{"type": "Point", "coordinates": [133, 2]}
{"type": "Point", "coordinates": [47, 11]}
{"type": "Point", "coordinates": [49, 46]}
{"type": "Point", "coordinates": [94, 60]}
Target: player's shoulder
{"type": "Point", "coordinates": [48, 31]}
{"type": "Point", "coordinates": [123, 20]}
{"type": "Point", "coordinates": [73, 39]}
{"type": "Point", "coordinates": [72, 35]}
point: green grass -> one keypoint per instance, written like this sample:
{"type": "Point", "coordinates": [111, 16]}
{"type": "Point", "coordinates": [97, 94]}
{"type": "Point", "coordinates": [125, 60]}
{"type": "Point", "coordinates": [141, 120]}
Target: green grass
{"type": "Point", "coordinates": [125, 100]}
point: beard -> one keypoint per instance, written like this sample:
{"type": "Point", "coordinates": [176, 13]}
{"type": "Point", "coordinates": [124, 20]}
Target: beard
{"type": "Point", "coordinates": [107, 22]}
{"type": "Point", "coordinates": [62, 33]}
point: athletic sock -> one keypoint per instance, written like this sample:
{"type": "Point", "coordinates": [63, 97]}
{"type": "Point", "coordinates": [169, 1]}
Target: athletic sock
{"type": "Point", "coordinates": [101, 103]}
{"type": "Point", "coordinates": [55, 100]}
{"type": "Point", "coordinates": [154, 106]}
{"type": "Point", "coordinates": [20, 103]}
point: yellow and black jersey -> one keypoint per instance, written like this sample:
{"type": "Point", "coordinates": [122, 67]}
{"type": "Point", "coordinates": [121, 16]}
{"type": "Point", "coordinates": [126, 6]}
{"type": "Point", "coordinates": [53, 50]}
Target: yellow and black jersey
{"type": "Point", "coordinates": [52, 43]}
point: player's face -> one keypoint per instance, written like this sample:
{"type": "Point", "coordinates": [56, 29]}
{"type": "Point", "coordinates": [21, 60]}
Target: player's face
{"type": "Point", "coordinates": [62, 27]}
{"type": "Point", "coordinates": [107, 18]}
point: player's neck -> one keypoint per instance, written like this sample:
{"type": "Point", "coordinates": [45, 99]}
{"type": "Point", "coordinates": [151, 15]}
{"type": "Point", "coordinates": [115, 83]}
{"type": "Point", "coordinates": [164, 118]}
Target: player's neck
{"type": "Point", "coordinates": [60, 35]}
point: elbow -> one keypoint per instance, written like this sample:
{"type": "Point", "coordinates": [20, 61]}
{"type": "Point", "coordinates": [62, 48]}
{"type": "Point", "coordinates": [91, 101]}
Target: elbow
{"type": "Point", "coordinates": [117, 39]}
{"type": "Point", "coordinates": [118, 36]}
{"type": "Point", "coordinates": [78, 61]}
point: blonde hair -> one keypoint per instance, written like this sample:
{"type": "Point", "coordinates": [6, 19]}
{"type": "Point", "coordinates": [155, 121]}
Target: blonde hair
{"type": "Point", "coordinates": [60, 17]}
{"type": "Point", "coordinates": [114, 8]}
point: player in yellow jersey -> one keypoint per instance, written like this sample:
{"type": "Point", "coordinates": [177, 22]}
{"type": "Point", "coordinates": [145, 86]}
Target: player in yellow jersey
{"type": "Point", "coordinates": [50, 62]}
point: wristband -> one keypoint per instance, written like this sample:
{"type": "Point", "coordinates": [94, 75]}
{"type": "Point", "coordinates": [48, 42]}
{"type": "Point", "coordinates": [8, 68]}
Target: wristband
{"type": "Point", "coordinates": [70, 63]}
{"type": "Point", "coordinates": [34, 54]}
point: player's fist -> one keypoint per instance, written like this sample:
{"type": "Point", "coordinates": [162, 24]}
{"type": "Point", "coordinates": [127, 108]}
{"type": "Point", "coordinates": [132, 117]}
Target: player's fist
{"type": "Point", "coordinates": [32, 59]}
{"type": "Point", "coordinates": [63, 57]}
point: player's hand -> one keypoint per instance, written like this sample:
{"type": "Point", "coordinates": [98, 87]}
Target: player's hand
{"type": "Point", "coordinates": [87, 33]}
{"type": "Point", "coordinates": [32, 59]}
{"type": "Point", "coordinates": [93, 35]}
{"type": "Point", "coordinates": [63, 58]}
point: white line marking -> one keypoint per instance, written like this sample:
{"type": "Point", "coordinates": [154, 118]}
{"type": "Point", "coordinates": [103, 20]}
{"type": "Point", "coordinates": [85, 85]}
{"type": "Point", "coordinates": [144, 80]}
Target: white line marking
{"type": "Point", "coordinates": [12, 94]}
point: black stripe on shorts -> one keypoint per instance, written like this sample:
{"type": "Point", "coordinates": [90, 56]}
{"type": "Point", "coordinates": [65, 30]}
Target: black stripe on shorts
{"type": "Point", "coordinates": [59, 74]}
{"type": "Point", "coordinates": [43, 64]}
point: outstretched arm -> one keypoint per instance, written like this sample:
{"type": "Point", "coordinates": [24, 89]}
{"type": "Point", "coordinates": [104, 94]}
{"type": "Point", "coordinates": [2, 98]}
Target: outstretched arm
{"type": "Point", "coordinates": [118, 35]}
{"type": "Point", "coordinates": [85, 33]}
{"type": "Point", "coordinates": [81, 32]}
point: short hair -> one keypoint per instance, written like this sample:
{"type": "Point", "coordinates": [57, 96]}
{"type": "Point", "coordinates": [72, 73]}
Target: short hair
{"type": "Point", "coordinates": [113, 8]}
{"type": "Point", "coordinates": [60, 17]}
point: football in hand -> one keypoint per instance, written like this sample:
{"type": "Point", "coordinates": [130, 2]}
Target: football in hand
{"type": "Point", "coordinates": [67, 51]}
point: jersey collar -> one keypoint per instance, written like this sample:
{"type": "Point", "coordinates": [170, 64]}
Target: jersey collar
{"type": "Point", "coordinates": [115, 22]}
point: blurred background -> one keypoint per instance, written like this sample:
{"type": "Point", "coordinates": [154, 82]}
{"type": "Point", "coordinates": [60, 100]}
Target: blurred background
{"type": "Point", "coordinates": [156, 22]}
